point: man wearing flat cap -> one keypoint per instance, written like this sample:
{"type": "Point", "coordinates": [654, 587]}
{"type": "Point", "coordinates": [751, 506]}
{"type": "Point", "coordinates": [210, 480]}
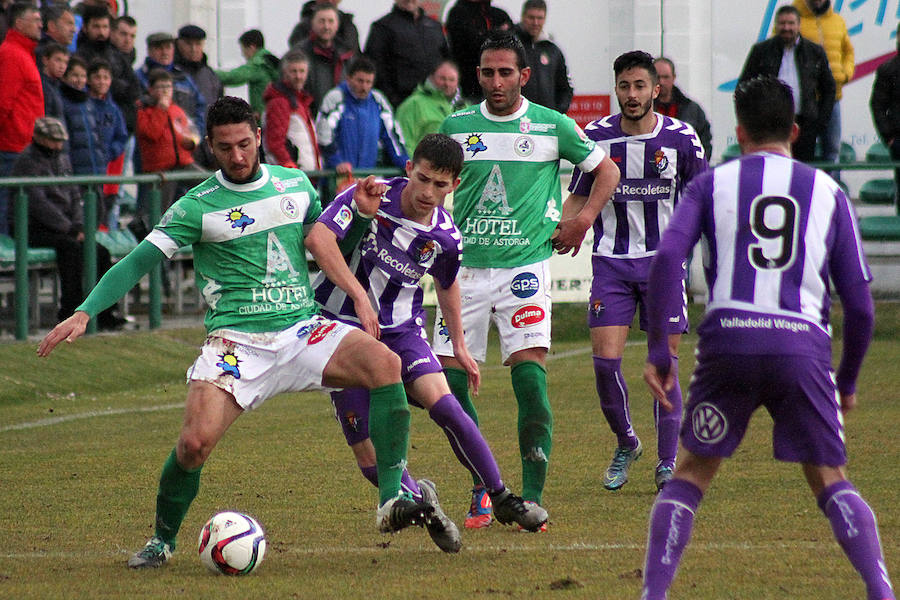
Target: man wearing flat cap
{"type": "Point", "coordinates": [190, 57]}
{"type": "Point", "coordinates": [56, 216]}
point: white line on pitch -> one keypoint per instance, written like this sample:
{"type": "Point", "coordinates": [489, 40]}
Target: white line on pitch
{"type": "Point", "coordinates": [88, 415]}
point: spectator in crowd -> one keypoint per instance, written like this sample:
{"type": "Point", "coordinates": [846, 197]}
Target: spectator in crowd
{"type": "Point", "coordinates": [673, 103]}
{"type": "Point", "coordinates": [54, 59]}
{"type": "Point", "coordinates": [121, 37]}
{"type": "Point", "coordinates": [21, 95]}
{"type": "Point", "coordinates": [885, 106]}
{"type": "Point", "coordinates": [257, 73]}
{"type": "Point", "coordinates": [59, 27]}
{"type": "Point", "coordinates": [432, 102]}
{"type": "Point", "coordinates": [346, 36]}
{"type": "Point", "coordinates": [112, 130]}
{"type": "Point", "coordinates": [468, 23]}
{"type": "Point", "coordinates": [356, 122]}
{"type": "Point", "coordinates": [190, 56]}
{"type": "Point", "coordinates": [406, 45]}
{"type": "Point", "coordinates": [56, 217]}
{"type": "Point", "coordinates": [549, 84]}
{"type": "Point", "coordinates": [84, 147]}
{"type": "Point", "coordinates": [4, 23]}
{"type": "Point", "coordinates": [820, 24]}
{"type": "Point", "coordinates": [165, 135]}
{"type": "Point", "coordinates": [161, 54]}
{"type": "Point", "coordinates": [327, 55]}
{"type": "Point", "coordinates": [289, 132]}
{"type": "Point", "coordinates": [803, 65]}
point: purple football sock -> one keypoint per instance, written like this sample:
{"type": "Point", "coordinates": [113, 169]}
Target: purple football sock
{"type": "Point", "coordinates": [466, 440]}
{"type": "Point", "coordinates": [614, 399]}
{"type": "Point", "coordinates": [856, 530]}
{"type": "Point", "coordinates": [407, 483]}
{"type": "Point", "coordinates": [671, 521]}
{"type": "Point", "coordinates": [668, 424]}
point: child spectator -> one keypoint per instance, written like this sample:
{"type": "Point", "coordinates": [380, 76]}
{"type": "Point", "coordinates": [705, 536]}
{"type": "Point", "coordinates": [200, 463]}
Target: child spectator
{"type": "Point", "coordinates": [165, 135]}
{"type": "Point", "coordinates": [54, 61]}
{"type": "Point", "coordinates": [113, 135]}
{"type": "Point", "coordinates": [84, 146]}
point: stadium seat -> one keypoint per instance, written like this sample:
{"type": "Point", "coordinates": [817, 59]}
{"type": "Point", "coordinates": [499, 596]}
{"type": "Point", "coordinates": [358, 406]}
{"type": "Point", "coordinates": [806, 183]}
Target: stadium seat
{"type": "Point", "coordinates": [36, 256]}
{"type": "Point", "coordinates": [732, 151]}
{"type": "Point", "coordinates": [880, 228]}
{"type": "Point", "coordinates": [878, 152]}
{"type": "Point", "coordinates": [878, 191]}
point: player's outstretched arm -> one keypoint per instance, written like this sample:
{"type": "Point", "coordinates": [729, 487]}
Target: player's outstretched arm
{"type": "Point", "coordinates": [449, 301]}
{"type": "Point", "coordinates": [574, 225]}
{"type": "Point", "coordinates": [368, 195]}
{"type": "Point", "coordinates": [69, 330]}
{"type": "Point", "coordinates": [322, 244]}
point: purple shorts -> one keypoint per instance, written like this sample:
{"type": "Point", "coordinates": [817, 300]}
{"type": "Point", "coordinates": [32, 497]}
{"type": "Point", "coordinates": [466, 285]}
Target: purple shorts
{"type": "Point", "coordinates": [798, 392]}
{"type": "Point", "coordinates": [614, 302]}
{"type": "Point", "coordinates": [351, 406]}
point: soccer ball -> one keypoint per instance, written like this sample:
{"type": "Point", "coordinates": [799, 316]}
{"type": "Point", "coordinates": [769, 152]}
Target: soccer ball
{"type": "Point", "coordinates": [232, 543]}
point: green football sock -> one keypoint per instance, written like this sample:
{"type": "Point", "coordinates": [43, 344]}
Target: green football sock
{"type": "Point", "coordinates": [529, 381]}
{"type": "Point", "coordinates": [389, 431]}
{"type": "Point", "coordinates": [458, 380]}
{"type": "Point", "coordinates": [177, 489]}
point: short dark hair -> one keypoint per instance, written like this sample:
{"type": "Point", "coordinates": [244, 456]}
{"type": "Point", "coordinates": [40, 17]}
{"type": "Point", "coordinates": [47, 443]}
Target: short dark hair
{"type": "Point", "coordinates": [788, 8]}
{"type": "Point", "coordinates": [94, 13]}
{"type": "Point", "coordinates": [75, 61]}
{"type": "Point", "coordinates": [445, 61]}
{"type": "Point", "coordinates": [252, 37]}
{"type": "Point", "coordinates": [229, 110]}
{"type": "Point", "coordinates": [442, 151]}
{"type": "Point", "coordinates": [504, 40]}
{"type": "Point", "coordinates": [294, 55]}
{"type": "Point", "coordinates": [360, 63]}
{"type": "Point", "coordinates": [668, 61]}
{"type": "Point", "coordinates": [316, 9]}
{"type": "Point", "coordinates": [156, 75]}
{"type": "Point", "coordinates": [51, 48]}
{"type": "Point", "coordinates": [53, 12]}
{"type": "Point", "coordinates": [764, 107]}
{"type": "Point", "coordinates": [17, 10]}
{"type": "Point", "coordinates": [99, 64]}
{"type": "Point", "coordinates": [635, 59]}
{"type": "Point", "coordinates": [534, 5]}
{"type": "Point", "coordinates": [127, 19]}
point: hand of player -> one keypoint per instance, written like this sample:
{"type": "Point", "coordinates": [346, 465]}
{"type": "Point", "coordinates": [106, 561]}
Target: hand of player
{"type": "Point", "coordinates": [471, 366]}
{"type": "Point", "coordinates": [848, 402]}
{"type": "Point", "coordinates": [368, 195]}
{"type": "Point", "coordinates": [368, 318]}
{"type": "Point", "coordinates": [568, 236]}
{"type": "Point", "coordinates": [659, 385]}
{"type": "Point", "coordinates": [69, 330]}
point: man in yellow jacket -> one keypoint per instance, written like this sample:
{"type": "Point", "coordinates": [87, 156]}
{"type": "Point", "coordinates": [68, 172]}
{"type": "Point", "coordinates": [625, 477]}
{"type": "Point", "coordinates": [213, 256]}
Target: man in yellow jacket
{"type": "Point", "coordinates": [820, 24]}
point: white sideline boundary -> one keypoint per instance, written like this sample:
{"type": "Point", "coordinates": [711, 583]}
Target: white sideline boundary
{"type": "Point", "coordinates": [147, 409]}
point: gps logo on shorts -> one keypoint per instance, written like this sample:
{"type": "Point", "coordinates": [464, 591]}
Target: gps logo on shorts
{"type": "Point", "coordinates": [525, 285]}
{"type": "Point", "coordinates": [527, 316]}
{"type": "Point", "coordinates": [305, 329]}
{"type": "Point", "coordinates": [709, 423]}
{"type": "Point", "coordinates": [320, 332]}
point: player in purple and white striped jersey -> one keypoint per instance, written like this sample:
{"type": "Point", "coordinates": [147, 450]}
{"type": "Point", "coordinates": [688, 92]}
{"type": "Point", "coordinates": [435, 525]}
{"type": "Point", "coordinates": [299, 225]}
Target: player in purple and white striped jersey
{"type": "Point", "coordinates": [657, 156]}
{"type": "Point", "coordinates": [774, 233]}
{"type": "Point", "coordinates": [411, 235]}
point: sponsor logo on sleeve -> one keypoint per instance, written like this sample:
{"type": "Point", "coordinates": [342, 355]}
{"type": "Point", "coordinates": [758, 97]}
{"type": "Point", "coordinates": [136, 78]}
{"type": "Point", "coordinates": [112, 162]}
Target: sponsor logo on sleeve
{"type": "Point", "coordinates": [528, 315]}
{"type": "Point", "coordinates": [525, 285]}
{"type": "Point", "coordinates": [344, 216]}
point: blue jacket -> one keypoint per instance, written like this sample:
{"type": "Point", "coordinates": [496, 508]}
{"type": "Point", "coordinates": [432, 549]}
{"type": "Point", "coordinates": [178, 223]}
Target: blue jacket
{"type": "Point", "coordinates": [353, 130]}
{"type": "Point", "coordinates": [84, 147]}
{"type": "Point", "coordinates": [111, 125]}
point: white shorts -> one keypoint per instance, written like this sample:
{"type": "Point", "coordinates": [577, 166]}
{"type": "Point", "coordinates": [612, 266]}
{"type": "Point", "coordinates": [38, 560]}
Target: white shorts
{"type": "Point", "coordinates": [253, 367]}
{"type": "Point", "coordinates": [516, 299]}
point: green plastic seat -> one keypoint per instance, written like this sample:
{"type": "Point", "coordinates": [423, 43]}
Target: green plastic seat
{"type": "Point", "coordinates": [35, 255]}
{"type": "Point", "coordinates": [878, 152]}
{"type": "Point", "coordinates": [732, 151]}
{"type": "Point", "coordinates": [880, 228]}
{"type": "Point", "coordinates": [877, 191]}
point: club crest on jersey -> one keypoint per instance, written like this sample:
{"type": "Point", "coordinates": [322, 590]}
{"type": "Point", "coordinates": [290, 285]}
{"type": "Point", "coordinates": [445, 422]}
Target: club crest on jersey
{"type": "Point", "coordinates": [523, 146]}
{"type": "Point", "coordinates": [289, 207]}
{"type": "Point", "coordinates": [475, 144]}
{"type": "Point", "coordinates": [237, 218]}
{"type": "Point", "coordinates": [228, 362]}
{"type": "Point", "coordinates": [278, 186]}
{"type": "Point", "coordinates": [660, 160]}
{"type": "Point", "coordinates": [597, 307]}
{"type": "Point", "coordinates": [426, 251]}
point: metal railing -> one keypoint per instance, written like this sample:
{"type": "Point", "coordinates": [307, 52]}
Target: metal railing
{"type": "Point", "coordinates": [19, 197]}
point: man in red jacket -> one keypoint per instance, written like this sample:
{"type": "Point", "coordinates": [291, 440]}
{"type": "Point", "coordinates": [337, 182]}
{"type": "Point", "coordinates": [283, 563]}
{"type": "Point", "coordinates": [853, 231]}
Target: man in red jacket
{"type": "Point", "coordinates": [21, 95]}
{"type": "Point", "coordinates": [289, 133]}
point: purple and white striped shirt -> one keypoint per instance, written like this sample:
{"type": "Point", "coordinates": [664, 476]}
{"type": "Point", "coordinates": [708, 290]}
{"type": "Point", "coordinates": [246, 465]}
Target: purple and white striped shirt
{"type": "Point", "coordinates": [391, 259]}
{"type": "Point", "coordinates": [654, 169]}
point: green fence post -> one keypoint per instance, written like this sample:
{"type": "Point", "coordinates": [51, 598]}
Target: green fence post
{"type": "Point", "coordinates": [89, 275]}
{"type": "Point", "coordinates": [21, 296]}
{"type": "Point", "coordinates": [155, 308]}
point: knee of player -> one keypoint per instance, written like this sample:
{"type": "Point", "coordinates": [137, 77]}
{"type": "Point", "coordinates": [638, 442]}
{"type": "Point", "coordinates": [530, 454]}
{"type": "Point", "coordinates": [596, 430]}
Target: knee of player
{"type": "Point", "coordinates": [383, 367]}
{"type": "Point", "coordinates": [194, 449]}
